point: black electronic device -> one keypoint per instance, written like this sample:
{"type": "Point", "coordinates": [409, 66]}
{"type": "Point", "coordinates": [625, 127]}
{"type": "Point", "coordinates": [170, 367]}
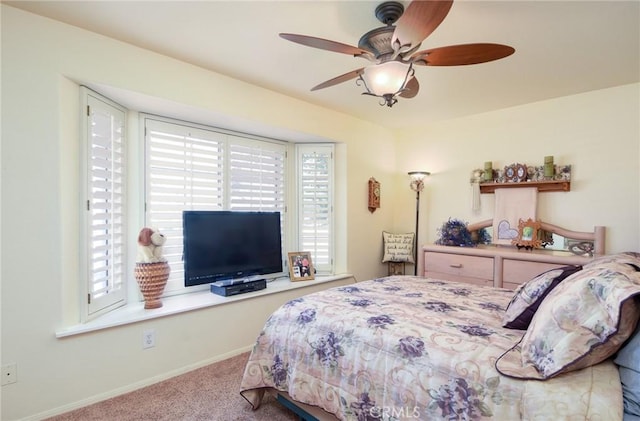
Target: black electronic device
{"type": "Point", "coordinates": [238, 287]}
{"type": "Point", "coordinates": [231, 245]}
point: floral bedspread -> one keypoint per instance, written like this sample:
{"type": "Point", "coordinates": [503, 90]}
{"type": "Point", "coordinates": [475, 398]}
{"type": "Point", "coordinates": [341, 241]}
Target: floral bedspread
{"type": "Point", "coordinates": [405, 347]}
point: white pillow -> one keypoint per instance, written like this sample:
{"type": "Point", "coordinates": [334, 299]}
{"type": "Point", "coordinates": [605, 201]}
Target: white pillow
{"type": "Point", "coordinates": [398, 247]}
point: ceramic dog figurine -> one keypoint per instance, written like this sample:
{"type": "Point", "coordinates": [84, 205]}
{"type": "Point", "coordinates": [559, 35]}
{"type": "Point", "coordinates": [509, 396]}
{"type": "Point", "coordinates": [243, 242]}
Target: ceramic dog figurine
{"type": "Point", "coordinates": [150, 244]}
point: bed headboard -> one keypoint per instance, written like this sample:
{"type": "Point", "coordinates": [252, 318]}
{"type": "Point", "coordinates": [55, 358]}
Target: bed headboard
{"type": "Point", "coordinates": [597, 236]}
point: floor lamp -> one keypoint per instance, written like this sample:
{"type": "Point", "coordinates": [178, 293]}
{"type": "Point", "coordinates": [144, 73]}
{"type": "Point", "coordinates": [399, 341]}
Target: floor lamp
{"type": "Point", "coordinates": [417, 185]}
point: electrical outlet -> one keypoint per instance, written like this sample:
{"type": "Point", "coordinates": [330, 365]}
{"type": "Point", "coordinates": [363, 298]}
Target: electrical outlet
{"type": "Point", "coordinates": [148, 338]}
{"type": "Point", "coordinates": [9, 374]}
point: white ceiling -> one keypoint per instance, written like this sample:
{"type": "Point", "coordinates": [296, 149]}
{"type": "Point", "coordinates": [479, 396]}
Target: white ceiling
{"type": "Point", "coordinates": [562, 48]}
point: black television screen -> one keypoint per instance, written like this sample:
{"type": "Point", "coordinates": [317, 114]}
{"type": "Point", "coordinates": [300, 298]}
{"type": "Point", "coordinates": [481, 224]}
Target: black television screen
{"type": "Point", "coordinates": [228, 245]}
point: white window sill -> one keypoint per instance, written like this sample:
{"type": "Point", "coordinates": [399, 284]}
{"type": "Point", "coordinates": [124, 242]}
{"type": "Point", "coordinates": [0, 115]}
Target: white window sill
{"type": "Point", "coordinates": [135, 312]}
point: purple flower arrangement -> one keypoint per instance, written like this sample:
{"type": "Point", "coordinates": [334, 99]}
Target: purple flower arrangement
{"type": "Point", "coordinates": [454, 232]}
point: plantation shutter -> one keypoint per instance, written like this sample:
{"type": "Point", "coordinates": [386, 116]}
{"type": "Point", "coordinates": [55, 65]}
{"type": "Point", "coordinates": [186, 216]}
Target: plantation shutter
{"type": "Point", "coordinates": [105, 193]}
{"type": "Point", "coordinates": [191, 167]}
{"type": "Point", "coordinates": [256, 176]}
{"type": "Point", "coordinates": [184, 171]}
{"type": "Point", "coordinates": [315, 204]}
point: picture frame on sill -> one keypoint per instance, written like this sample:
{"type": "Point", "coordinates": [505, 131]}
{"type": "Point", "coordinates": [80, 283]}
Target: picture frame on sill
{"type": "Point", "coordinates": [300, 266]}
{"type": "Point", "coordinates": [528, 234]}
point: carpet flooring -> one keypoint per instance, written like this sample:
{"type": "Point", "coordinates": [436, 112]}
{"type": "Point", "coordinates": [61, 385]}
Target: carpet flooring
{"type": "Point", "coordinates": [210, 393]}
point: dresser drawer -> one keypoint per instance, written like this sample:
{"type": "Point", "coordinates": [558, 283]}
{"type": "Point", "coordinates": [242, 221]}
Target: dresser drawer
{"type": "Point", "coordinates": [456, 267]}
{"type": "Point", "coordinates": [515, 272]}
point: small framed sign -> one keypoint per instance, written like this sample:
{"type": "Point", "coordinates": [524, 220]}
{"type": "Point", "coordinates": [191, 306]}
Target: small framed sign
{"type": "Point", "coordinates": [300, 266]}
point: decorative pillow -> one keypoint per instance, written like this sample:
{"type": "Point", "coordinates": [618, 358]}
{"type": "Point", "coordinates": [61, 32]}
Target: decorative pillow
{"type": "Point", "coordinates": [529, 296]}
{"type": "Point", "coordinates": [583, 321]}
{"type": "Point", "coordinates": [398, 247]}
{"type": "Point", "coordinates": [628, 257]}
{"type": "Point", "coordinates": [628, 360]}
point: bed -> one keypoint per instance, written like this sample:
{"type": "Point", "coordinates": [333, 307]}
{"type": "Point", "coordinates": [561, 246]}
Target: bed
{"type": "Point", "coordinates": [407, 347]}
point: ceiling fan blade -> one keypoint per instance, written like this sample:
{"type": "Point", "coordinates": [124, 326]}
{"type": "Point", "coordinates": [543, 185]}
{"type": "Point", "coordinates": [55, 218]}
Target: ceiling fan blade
{"type": "Point", "coordinates": [420, 19]}
{"type": "Point", "coordinates": [325, 44]}
{"type": "Point", "coordinates": [411, 89]}
{"type": "Point", "coordinates": [458, 55]}
{"type": "Point", "coordinates": [339, 79]}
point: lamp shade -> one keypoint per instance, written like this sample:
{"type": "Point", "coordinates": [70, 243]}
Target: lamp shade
{"type": "Point", "coordinates": [419, 175]}
{"type": "Point", "coordinates": [386, 78]}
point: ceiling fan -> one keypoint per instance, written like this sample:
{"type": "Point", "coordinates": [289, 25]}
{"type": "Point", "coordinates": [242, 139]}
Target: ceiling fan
{"type": "Point", "coordinates": [393, 50]}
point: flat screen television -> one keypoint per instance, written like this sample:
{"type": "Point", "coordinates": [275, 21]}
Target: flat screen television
{"type": "Point", "coordinates": [230, 245]}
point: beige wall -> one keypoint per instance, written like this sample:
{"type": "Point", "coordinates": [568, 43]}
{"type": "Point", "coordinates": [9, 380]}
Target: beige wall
{"type": "Point", "coordinates": [44, 61]}
{"type": "Point", "coordinates": [597, 133]}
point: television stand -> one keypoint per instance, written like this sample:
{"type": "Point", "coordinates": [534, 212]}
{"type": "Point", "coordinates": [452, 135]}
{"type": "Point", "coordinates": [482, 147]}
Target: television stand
{"type": "Point", "coordinates": [228, 290]}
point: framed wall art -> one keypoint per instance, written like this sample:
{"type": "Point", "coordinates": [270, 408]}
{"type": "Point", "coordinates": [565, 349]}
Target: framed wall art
{"type": "Point", "coordinates": [300, 266]}
{"type": "Point", "coordinates": [373, 201]}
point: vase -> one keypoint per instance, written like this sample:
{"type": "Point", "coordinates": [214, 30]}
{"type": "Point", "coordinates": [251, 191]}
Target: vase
{"type": "Point", "coordinates": [152, 278]}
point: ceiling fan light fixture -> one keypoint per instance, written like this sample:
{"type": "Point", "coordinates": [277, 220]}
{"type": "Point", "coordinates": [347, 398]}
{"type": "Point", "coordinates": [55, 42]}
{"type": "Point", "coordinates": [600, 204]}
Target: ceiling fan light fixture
{"type": "Point", "coordinates": [394, 49]}
{"type": "Point", "coordinates": [386, 80]}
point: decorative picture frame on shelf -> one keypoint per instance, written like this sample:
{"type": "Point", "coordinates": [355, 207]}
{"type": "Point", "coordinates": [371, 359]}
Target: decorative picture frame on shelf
{"type": "Point", "coordinates": [562, 173]}
{"type": "Point", "coordinates": [300, 266]}
{"type": "Point", "coordinates": [528, 235]}
{"type": "Point", "coordinates": [515, 173]}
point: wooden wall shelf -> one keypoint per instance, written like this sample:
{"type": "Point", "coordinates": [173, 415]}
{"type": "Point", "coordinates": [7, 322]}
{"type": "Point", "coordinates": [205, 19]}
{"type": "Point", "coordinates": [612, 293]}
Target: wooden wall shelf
{"type": "Point", "coordinates": [543, 186]}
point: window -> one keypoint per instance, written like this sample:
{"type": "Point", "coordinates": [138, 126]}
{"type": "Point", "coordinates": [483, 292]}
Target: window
{"type": "Point", "coordinates": [191, 167]}
{"type": "Point", "coordinates": [315, 204]}
{"type": "Point", "coordinates": [104, 129]}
